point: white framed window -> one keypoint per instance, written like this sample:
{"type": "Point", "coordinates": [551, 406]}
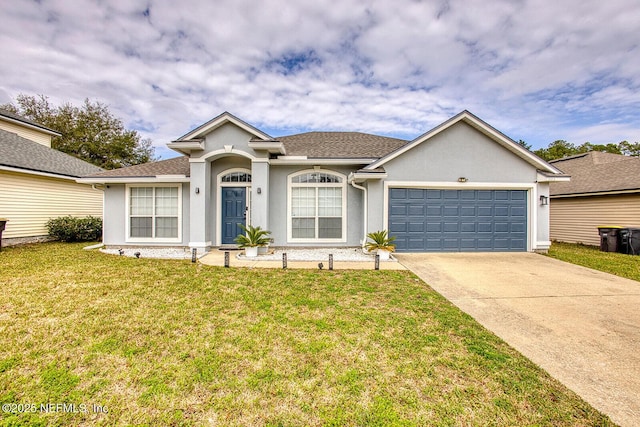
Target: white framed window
{"type": "Point", "coordinates": [317, 207]}
{"type": "Point", "coordinates": [153, 213]}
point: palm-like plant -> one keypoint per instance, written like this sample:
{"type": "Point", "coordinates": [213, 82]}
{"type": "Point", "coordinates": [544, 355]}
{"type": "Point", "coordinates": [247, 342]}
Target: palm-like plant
{"type": "Point", "coordinates": [380, 240]}
{"type": "Point", "coordinates": [252, 237]}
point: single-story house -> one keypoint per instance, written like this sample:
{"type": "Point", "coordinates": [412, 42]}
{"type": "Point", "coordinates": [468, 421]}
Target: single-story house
{"type": "Point", "coordinates": [37, 182]}
{"type": "Point", "coordinates": [462, 186]}
{"type": "Point", "coordinates": [604, 190]}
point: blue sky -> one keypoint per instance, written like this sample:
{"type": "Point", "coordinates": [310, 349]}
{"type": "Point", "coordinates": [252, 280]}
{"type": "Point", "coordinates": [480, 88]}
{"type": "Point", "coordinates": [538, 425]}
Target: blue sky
{"type": "Point", "coordinates": [536, 70]}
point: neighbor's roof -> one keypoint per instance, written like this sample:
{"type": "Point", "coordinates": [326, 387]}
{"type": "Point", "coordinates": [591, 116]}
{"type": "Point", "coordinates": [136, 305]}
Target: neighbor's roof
{"type": "Point", "coordinates": [9, 116]}
{"type": "Point", "coordinates": [339, 145]}
{"type": "Point", "coordinates": [597, 172]}
{"type": "Point", "coordinates": [175, 166]}
{"type": "Point", "coordinates": [21, 153]}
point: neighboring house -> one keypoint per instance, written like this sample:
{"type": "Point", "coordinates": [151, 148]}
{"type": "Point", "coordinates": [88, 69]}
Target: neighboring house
{"type": "Point", "coordinates": [38, 183]}
{"type": "Point", "coordinates": [463, 186]}
{"type": "Point", "coordinates": [604, 190]}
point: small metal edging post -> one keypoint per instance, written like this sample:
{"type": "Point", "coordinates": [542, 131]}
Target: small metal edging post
{"type": "Point", "coordinates": [377, 264]}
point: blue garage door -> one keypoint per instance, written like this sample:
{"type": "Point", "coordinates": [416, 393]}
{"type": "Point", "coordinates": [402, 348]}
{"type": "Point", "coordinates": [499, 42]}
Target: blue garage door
{"type": "Point", "coordinates": [458, 220]}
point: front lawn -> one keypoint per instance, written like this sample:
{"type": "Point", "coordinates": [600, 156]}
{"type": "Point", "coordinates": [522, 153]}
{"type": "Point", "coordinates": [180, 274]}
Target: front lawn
{"type": "Point", "coordinates": [152, 342]}
{"type": "Point", "coordinates": [622, 265]}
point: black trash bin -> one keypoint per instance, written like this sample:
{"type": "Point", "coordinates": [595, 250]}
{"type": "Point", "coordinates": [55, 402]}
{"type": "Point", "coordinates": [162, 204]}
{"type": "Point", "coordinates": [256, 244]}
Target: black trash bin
{"type": "Point", "coordinates": [609, 237]}
{"type": "Point", "coordinates": [633, 238]}
{"type": "Point", "coordinates": [3, 224]}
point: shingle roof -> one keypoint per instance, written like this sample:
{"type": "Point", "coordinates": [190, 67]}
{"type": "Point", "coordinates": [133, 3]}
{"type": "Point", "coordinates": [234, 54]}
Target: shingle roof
{"type": "Point", "coordinates": [175, 166]}
{"type": "Point", "coordinates": [22, 153]}
{"type": "Point", "coordinates": [350, 145]}
{"type": "Point", "coordinates": [10, 115]}
{"type": "Point", "coordinates": [596, 172]}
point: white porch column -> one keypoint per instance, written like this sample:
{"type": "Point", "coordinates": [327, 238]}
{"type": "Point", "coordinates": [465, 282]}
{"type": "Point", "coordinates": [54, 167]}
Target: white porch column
{"type": "Point", "coordinates": [200, 206]}
{"type": "Point", "coordinates": [260, 193]}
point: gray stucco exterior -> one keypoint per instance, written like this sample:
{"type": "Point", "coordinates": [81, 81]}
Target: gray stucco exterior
{"type": "Point", "coordinates": [463, 153]}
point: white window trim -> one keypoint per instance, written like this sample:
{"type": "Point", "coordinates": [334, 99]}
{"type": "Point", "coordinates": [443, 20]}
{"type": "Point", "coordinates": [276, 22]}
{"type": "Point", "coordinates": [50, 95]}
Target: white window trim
{"type": "Point", "coordinates": [291, 185]}
{"type": "Point", "coordinates": [130, 239]}
{"type": "Point", "coordinates": [219, 185]}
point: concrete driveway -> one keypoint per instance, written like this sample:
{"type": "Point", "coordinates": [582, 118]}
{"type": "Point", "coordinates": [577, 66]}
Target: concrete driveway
{"type": "Point", "coordinates": [580, 325]}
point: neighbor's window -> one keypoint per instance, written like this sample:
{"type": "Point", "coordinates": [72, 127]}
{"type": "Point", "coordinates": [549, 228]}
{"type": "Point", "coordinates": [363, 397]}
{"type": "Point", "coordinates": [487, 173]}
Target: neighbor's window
{"type": "Point", "coordinates": [153, 212]}
{"type": "Point", "coordinates": [317, 206]}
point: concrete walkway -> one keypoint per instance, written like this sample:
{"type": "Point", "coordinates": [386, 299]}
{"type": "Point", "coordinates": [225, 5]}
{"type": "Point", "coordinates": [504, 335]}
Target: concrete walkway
{"type": "Point", "coordinates": [216, 258]}
{"type": "Point", "coordinates": [580, 325]}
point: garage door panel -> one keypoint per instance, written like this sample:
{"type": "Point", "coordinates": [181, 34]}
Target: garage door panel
{"type": "Point", "coordinates": [398, 194]}
{"type": "Point", "coordinates": [484, 195]}
{"type": "Point", "coordinates": [434, 211]}
{"type": "Point", "coordinates": [417, 227]}
{"type": "Point", "coordinates": [458, 220]}
{"type": "Point", "coordinates": [417, 210]}
{"type": "Point", "coordinates": [468, 211]}
{"type": "Point", "coordinates": [485, 211]}
{"type": "Point", "coordinates": [485, 227]}
{"type": "Point", "coordinates": [434, 227]}
{"type": "Point", "coordinates": [501, 227]}
{"type": "Point", "coordinates": [468, 227]}
{"type": "Point", "coordinates": [518, 211]}
{"type": "Point", "coordinates": [398, 210]}
{"type": "Point", "coordinates": [416, 194]}
{"type": "Point", "coordinates": [451, 210]}
{"type": "Point", "coordinates": [397, 228]}
{"type": "Point", "coordinates": [451, 227]}
{"type": "Point", "coordinates": [518, 227]}
{"type": "Point", "coordinates": [416, 244]}
{"type": "Point", "coordinates": [501, 211]}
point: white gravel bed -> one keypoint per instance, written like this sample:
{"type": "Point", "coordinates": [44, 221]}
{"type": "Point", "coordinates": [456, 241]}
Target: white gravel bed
{"type": "Point", "coordinates": [165, 253]}
{"type": "Point", "coordinates": [313, 254]}
{"type": "Point", "coordinates": [293, 254]}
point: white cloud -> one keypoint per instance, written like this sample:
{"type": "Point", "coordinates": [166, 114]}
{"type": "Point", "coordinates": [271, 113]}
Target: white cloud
{"type": "Point", "coordinates": [536, 70]}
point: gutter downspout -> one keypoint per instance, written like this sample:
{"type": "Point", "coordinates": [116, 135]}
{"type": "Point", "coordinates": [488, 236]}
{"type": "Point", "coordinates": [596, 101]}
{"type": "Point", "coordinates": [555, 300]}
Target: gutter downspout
{"type": "Point", "coordinates": [365, 215]}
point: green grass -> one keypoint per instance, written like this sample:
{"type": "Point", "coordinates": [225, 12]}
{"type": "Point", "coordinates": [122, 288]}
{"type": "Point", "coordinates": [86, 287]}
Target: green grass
{"type": "Point", "coordinates": [590, 256]}
{"type": "Point", "coordinates": [174, 343]}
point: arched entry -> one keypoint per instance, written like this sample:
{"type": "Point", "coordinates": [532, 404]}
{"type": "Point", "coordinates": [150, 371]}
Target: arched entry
{"type": "Point", "coordinates": [234, 190]}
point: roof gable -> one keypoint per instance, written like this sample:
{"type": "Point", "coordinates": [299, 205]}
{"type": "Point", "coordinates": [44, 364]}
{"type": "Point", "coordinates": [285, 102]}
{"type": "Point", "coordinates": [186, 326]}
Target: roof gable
{"type": "Point", "coordinates": [14, 118]}
{"type": "Point", "coordinates": [21, 153]}
{"type": "Point", "coordinates": [220, 120]}
{"type": "Point", "coordinates": [479, 125]}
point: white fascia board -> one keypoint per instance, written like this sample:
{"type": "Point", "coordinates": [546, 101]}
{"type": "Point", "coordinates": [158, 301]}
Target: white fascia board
{"type": "Point", "coordinates": [271, 147]}
{"type": "Point", "coordinates": [547, 178]}
{"type": "Point", "coordinates": [361, 177]}
{"type": "Point", "coordinates": [38, 173]}
{"type": "Point", "coordinates": [302, 160]}
{"type": "Point", "coordinates": [186, 146]}
{"type": "Point", "coordinates": [134, 180]}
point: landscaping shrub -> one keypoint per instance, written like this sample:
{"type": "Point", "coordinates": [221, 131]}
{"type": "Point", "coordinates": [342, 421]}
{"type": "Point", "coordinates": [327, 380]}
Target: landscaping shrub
{"type": "Point", "coordinates": [72, 229]}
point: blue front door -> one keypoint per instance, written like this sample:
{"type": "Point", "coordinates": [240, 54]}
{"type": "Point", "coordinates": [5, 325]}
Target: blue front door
{"type": "Point", "coordinates": [234, 212]}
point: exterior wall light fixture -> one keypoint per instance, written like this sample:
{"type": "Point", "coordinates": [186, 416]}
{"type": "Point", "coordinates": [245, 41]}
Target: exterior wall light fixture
{"type": "Point", "coordinates": [544, 200]}
{"type": "Point", "coordinates": [197, 190]}
{"type": "Point", "coordinates": [259, 190]}
{"type": "Point", "coordinates": [462, 179]}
